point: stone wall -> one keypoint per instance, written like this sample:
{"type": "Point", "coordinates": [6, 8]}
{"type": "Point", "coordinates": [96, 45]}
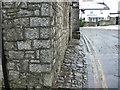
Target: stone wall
{"type": "Point", "coordinates": [1, 71]}
{"type": "Point", "coordinates": [35, 38]}
{"type": "Point", "coordinates": [112, 21]}
{"type": "Point", "coordinates": [89, 24]}
{"type": "Point", "coordinates": [75, 23]}
{"type": "Point", "coordinates": [75, 19]}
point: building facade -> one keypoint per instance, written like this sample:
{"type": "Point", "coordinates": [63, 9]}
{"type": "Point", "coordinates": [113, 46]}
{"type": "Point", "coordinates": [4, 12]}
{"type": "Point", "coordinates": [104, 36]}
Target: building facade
{"type": "Point", "coordinates": [94, 15]}
{"type": "Point", "coordinates": [93, 11]}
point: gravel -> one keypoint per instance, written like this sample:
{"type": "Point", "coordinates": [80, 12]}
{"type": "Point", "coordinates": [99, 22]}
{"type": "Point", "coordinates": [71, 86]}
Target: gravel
{"type": "Point", "coordinates": [73, 72]}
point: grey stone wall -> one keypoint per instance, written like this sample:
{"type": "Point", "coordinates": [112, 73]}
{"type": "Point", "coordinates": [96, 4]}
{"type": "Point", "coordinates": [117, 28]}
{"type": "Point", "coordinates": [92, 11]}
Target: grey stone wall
{"type": "Point", "coordinates": [35, 39]}
{"type": "Point", "coordinates": [89, 24]}
{"type": "Point", "coordinates": [112, 21]}
{"type": "Point", "coordinates": [75, 19]}
{"type": "Point", "coordinates": [75, 23]}
{"type": "Point", "coordinates": [1, 74]}
{"type": "Point", "coordinates": [1, 71]}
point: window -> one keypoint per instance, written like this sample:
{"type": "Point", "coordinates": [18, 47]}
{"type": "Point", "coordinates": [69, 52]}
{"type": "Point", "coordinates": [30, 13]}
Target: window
{"type": "Point", "coordinates": [101, 11]}
{"type": "Point", "coordinates": [91, 12]}
{"type": "Point", "coordinates": [83, 19]}
{"type": "Point", "coordinates": [90, 19]}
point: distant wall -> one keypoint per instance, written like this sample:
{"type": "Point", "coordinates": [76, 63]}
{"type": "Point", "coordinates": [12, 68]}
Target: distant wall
{"type": "Point", "coordinates": [89, 24]}
{"type": "Point", "coordinates": [35, 38]}
{"type": "Point", "coordinates": [112, 21]}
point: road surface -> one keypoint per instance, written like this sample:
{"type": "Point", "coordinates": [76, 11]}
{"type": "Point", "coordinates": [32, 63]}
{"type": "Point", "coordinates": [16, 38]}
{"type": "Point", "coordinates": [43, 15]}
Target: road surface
{"type": "Point", "coordinates": [101, 54]}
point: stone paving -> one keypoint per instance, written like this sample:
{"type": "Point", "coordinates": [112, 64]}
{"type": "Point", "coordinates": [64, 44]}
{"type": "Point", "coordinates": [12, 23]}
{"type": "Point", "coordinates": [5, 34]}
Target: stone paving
{"type": "Point", "coordinates": [73, 72]}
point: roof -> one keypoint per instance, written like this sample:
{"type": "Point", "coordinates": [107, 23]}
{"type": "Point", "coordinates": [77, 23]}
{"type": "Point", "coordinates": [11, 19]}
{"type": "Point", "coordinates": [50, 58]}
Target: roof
{"type": "Point", "coordinates": [115, 13]}
{"type": "Point", "coordinates": [93, 6]}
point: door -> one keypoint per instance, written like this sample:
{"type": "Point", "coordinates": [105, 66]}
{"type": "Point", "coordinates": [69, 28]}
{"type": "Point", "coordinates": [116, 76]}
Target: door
{"type": "Point", "coordinates": [97, 21]}
{"type": "Point", "coordinates": [117, 20]}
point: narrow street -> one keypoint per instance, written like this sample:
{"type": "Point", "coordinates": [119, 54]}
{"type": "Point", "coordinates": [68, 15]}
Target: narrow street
{"type": "Point", "coordinates": [59, 44]}
{"type": "Point", "coordinates": [101, 54]}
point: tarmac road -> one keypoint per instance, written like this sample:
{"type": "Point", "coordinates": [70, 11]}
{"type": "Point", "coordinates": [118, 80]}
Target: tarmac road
{"type": "Point", "coordinates": [102, 58]}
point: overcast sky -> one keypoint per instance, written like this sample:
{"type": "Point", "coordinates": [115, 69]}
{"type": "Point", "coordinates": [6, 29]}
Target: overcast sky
{"type": "Point", "coordinates": [113, 5]}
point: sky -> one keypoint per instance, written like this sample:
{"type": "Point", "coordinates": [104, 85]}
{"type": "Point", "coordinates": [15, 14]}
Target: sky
{"type": "Point", "coordinates": [112, 4]}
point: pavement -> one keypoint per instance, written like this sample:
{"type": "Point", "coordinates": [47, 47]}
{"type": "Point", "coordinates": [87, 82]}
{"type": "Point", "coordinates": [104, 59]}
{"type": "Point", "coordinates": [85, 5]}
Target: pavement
{"type": "Point", "coordinates": [110, 27]}
{"type": "Point", "coordinates": [73, 72]}
{"type": "Point", "coordinates": [105, 42]}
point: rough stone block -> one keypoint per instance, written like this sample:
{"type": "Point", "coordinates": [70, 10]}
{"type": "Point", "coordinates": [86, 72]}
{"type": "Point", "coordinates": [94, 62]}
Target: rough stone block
{"type": "Point", "coordinates": [7, 23]}
{"type": "Point", "coordinates": [24, 65]}
{"type": "Point", "coordinates": [37, 54]}
{"type": "Point", "coordinates": [35, 61]}
{"type": "Point", "coordinates": [34, 78]}
{"type": "Point", "coordinates": [46, 56]}
{"type": "Point", "coordinates": [45, 33]}
{"type": "Point", "coordinates": [17, 66]}
{"type": "Point", "coordinates": [13, 75]}
{"type": "Point", "coordinates": [37, 12]}
{"type": "Point", "coordinates": [40, 68]}
{"type": "Point", "coordinates": [31, 33]}
{"type": "Point", "coordinates": [21, 22]}
{"type": "Point", "coordinates": [45, 10]}
{"type": "Point", "coordinates": [24, 45]}
{"type": "Point", "coordinates": [4, 11]}
{"type": "Point", "coordinates": [34, 5]}
{"type": "Point", "coordinates": [14, 34]}
{"type": "Point", "coordinates": [48, 79]}
{"type": "Point", "coordinates": [37, 21]}
{"type": "Point", "coordinates": [53, 21]}
{"type": "Point", "coordinates": [21, 4]}
{"type": "Point", "coordinates": [41, 43]}
{"type": "Point", "coordinates": [23, 13]}
{"type": "Point", "coordinates": [16, 54]}
{"type": "Point", "coordinates": [8, 4]}
{"type": "Point", "coordinates": [9, 46]}
{"type": "Point", "coordinates": [14, 10]}
{"type": "Point", "coordinates": [23, 79]}
{"type": "Point", "coordinates": [29, 55]}
{"type": "Point", "coordinates": [11, 65]}
{"type": "Point", "coordinates": [4, 14]}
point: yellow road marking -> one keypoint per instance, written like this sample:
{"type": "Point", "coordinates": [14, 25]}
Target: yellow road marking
{"type": "Point", "coordinates": [104, 85]}
{"type": "Point", "coordinates": [96, 80]}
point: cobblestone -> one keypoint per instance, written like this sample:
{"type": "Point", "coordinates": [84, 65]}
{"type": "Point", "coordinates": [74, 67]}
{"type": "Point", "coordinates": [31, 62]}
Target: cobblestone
{"type": "Point", "coordinates": [73, 72]}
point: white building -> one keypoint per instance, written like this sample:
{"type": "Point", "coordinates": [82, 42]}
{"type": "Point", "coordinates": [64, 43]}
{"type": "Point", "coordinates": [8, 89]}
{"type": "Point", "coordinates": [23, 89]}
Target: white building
{"type": "Point", "coordinates": [93, 11]}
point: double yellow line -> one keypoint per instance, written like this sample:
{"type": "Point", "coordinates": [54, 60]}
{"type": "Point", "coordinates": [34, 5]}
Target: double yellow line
{"type": "Point", "coordinates": [96, 79]}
